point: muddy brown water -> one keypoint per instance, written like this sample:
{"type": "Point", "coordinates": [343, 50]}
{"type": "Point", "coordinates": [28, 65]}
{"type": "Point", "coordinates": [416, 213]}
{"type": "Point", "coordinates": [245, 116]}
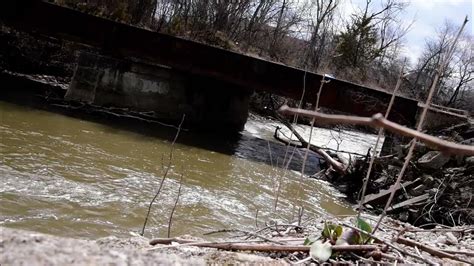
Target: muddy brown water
{"type": "Point", "coordinates": [72, 177]}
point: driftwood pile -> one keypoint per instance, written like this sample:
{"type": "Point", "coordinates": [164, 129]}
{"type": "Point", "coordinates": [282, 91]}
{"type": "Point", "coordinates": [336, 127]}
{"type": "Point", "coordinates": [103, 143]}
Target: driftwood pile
{"type": "Point", "coordinates": [436, 188]}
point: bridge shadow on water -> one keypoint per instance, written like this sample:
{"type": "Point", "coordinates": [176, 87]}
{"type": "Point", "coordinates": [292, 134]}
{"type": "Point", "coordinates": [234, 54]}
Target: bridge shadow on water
{"type": "Point", "coordinates": [243, 145]}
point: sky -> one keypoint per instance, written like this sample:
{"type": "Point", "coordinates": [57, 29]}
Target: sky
{"type": "Point", "coordinates": [428, 15]}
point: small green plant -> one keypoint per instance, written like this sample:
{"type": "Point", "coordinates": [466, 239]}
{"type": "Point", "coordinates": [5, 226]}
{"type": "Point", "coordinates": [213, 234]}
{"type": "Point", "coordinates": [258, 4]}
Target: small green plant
{"type": "Point", "coordinates": [331, 232]}
{"type": "Point", "coordinates": [363, 225]}
{"type": "Point", "coordinates": [334, 234]}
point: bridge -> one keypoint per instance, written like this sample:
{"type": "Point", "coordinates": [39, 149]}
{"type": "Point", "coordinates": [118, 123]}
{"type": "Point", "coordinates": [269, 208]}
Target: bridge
{"type": "Point", "coordinates": [139, 68]}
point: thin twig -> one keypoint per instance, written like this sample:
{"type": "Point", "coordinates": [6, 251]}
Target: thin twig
{"type": "Point", "coordinates": [174, 206]}
{"type": "Point", "coordinates": [431, 250]}
{"type": "Point", "coordinates": [244, 232]}
{"type": "Point", "coordinates": [302, 261]}
{"type": "Point", "coordinates": [164, 175]}
{"type": "Point", "coordinates": [277, 225]}
{"type": "Point", "coordinates": [462, 252]}
{"type": "Point", "coordinates": [379, 136]}
{"type": "Point", "coordinates": [295, 119]}
{"type": "Point", "coordinates": [308, 144]}
{"type": "Point", "coordinates": [459, 230]}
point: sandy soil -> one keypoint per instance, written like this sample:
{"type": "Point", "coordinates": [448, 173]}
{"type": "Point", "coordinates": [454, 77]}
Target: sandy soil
{"type": "Point", "coordinates": [18, 247]}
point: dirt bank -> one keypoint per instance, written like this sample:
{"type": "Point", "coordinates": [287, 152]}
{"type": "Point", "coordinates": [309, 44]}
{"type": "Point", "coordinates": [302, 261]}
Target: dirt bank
{"type": "Point", "coordinates": [18, 247]}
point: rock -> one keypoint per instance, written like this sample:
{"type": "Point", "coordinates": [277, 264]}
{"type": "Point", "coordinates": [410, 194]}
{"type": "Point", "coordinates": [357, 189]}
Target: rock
{"type": "Point", "coordinates": [381, 180]}
{"type": "Point", "coordinates": [451, 239]}
{"type": "Point", "coordinates": [427, 179]}
{"type": "Point", "coordinates": [369, 207]}
{"type": "Point", "coordinates": [417, 191]}
{"type": "Point", "coordinates": [403, 216]}
{"type": "Point", "coordinates": [441, 240]}
{"type": "Point", "coordinates": [433, 160]}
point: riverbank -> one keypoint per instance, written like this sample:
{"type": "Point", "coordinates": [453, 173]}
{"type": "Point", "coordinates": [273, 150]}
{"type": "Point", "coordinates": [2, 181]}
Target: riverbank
{"type": "Point", "coordinates": [226, 186]}
{"type": "Point", "coordinates": [19, 247]}
{"type": "Point", "coordinates": [395, 243]}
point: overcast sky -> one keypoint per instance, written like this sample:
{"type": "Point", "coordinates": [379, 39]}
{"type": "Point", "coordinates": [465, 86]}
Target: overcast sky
{"type": "Point", "coordinates": [429, 15]}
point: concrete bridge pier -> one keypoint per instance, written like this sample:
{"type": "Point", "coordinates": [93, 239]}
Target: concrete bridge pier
{"type": "Point", "coordinates": [209, 104]}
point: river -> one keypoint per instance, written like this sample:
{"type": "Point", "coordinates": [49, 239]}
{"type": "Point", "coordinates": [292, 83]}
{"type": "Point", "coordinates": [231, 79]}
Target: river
{"type": "Point", "coordinates": [79, 178]}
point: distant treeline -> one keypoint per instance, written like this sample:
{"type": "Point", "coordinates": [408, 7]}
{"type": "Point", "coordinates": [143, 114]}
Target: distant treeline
{"type": "Point", "coordinates": [365, 46]}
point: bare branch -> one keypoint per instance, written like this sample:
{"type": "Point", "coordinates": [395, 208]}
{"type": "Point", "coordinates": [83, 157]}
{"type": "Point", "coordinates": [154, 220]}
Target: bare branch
{"type": "Point", "coordinates": [174, 206]}
{"type": "Point", "coordinates": [379, 135]}
{"type": "Point", "coordinates": [168, 167]}
{"type": "Point", "coordinates": [431, 250]}
{"type": "Point", "coordinates": [377, 121]}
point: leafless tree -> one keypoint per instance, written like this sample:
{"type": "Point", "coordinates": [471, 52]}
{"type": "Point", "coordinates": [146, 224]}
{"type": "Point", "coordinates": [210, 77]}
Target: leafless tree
{"type": "Point", "coordinates": [457, 76]}
{"type": "Point", "coordinates": [464, 70]}
{"type": "Point", "coordinates": [320, 27]}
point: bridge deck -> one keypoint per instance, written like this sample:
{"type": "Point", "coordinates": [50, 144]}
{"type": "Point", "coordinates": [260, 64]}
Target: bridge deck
{"type": "Point", "coordinates": [192, 57]}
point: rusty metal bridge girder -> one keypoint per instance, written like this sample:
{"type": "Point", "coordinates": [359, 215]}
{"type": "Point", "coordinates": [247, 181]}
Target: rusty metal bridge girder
{"type": "Point", "coordinates": [247, 72]}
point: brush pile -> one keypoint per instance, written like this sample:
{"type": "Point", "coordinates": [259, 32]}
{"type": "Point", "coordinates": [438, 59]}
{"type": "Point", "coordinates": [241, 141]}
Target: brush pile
{"type": "Point", "coordinates": [436, 188]}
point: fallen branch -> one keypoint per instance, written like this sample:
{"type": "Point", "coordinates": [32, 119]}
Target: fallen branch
{"type": "Point", "coordinates": [458, 230]}
{"type": "Point", "coordinates": [431, 250]}
{"type": "Point", "coordinates": [275, 227]}
{"type": "Point", "coordinates": [330, 149]}
{"type": "Point", "coordinates": [378, 121]}
{"type": "Point", "coordinates": [462, 252]}
{"type": "Point", "coordinates": [244, 232]}
{"type": "Point", "coordinates": [339, 167]}
{"type": "Point", "coordinates": [169, 241]}
{"type": "Point", "coordinates": [271, 248]}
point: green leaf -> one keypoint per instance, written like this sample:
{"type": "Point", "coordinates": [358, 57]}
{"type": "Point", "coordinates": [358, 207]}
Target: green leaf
{"type": "Point", "coordinates": [326, 232]}
{"type": "Point", "coordinates": [338, 231]}
{"type": "Point", "coordinates": [332, 226]}
{"type": "Point", "coordinates": [320, 251]}
{"type": "Point", "coordinates": [364, 225]}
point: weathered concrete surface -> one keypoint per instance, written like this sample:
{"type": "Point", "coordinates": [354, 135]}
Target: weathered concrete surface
{"type": "Point", "coordinates": [18, 247]}
{"type": "Point", "coordinates": [207, 103]}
